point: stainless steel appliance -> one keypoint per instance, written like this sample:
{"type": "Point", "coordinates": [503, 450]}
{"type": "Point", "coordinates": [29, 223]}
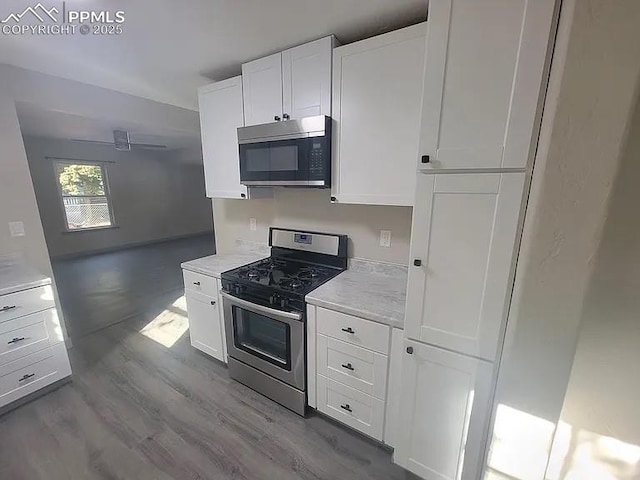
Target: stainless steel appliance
{"type": "Point", "coordinates": [295, 153]}
{"type": "Point", "coordinates": [265, 312]}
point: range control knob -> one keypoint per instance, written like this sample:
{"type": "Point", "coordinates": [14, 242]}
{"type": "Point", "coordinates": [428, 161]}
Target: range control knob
{"type": "Point", "coordinates": [273, 299]}
{"type": "Point", "coordinates": [237, 288]}
{"type": "Point", "coordinates": [283, 303]}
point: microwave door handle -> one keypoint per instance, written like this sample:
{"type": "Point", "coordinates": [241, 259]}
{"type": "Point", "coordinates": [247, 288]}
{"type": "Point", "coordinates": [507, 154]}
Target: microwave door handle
{"type": "Point", "coordinates": [271, 312]}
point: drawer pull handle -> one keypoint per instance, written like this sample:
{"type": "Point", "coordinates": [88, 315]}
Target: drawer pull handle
{"type": "Point", "coordinates": [27, 376]}
{"type": "Point", "coordinates": [15, 340]}
{"type": "Point", "coordinates": [346, 407]}
{"type": "Point", "coordinates": [348, 330]}
{"type": "Point", "coordinates": [212, 302]}
{"type": "Point", "coordinates": [7, 308]}
{"type": "Point", "coordinates": [348, 366]}
{"type": "Point", "coordinates": [196, 283]}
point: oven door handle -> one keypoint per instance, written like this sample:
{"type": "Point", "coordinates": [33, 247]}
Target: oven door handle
{"type": "Point", "coordinates": [272, 312]}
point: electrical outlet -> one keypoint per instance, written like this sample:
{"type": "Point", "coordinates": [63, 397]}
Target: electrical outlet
{"type": "Point", "coordinates": [252, 224]}
{"type": "Point", "coordinates": [16, 229]}
{"type": "Point", "coordinates": [385, 238]}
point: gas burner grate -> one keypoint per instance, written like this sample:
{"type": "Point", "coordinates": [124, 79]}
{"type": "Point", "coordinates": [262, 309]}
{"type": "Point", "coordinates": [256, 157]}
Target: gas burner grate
{"type": "Point", "coordinates": [293, 283]}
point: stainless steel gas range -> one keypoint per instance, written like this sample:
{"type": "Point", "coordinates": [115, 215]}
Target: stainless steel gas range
{"type": "Point", "coordinates": [265, 312]}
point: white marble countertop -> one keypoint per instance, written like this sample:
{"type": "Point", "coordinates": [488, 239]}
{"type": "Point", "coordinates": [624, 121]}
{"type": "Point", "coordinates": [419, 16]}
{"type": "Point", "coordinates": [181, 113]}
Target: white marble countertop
{"type": "Point", "coordinates": [371, 290]}
{"type": "Point", "coordinates": [214, 265]}
{"type": "Point", "coordinates": [16, 276]}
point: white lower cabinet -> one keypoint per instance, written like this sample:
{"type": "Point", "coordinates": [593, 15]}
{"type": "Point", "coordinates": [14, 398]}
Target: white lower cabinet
{"type": "Point", "coordinates": [444, 409]}
{"type": "Point", "coordinates": [352, 407]}
{"type": "Point", "coordinates": [348, 369]}
{"type": "Point", "coordinates": [392, 415]}
{"type": "Point", "coordinates": [204, 310]}
{"type": "Point", "coordinates": [356, 367]}
{"type": "Point", "coordinates": [32, 372]}
{"type": "Point", "coordinates": [32, 350]}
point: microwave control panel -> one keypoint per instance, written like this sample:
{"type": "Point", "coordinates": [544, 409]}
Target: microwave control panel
{"type": "Point", "coordinates": [316, 164]}
{"type": "Point", "coordinates": [319, 149]}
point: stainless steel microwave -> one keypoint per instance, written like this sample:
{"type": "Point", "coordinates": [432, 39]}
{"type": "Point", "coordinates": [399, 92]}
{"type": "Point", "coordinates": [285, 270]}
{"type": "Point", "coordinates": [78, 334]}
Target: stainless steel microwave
{"type": "Point", "coordinates": [294, 153]}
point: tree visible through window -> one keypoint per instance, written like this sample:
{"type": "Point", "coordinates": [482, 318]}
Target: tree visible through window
{"type": "Point", "coordinates": [85, 195]}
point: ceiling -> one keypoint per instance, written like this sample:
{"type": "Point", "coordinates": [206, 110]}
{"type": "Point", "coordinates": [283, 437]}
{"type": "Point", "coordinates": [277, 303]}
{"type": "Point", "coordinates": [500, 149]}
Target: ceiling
{"type": "Point", "coordinates": [37, 122]}
{"type": "Point", "coordinates": [170, 48]}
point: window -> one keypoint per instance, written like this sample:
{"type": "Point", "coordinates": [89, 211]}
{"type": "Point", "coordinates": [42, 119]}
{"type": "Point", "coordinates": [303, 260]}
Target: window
{"type": "Point", "coordinates": [85, 195]}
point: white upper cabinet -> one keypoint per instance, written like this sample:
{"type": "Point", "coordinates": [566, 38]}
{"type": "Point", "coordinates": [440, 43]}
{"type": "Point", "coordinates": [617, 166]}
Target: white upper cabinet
{"type": "Point", "coordinates": [220, 116]}
{"type": "Point", "coordinates": [445, 400]}
{"type": "Point", "coordinates": [262, 86]}
{"type": "Point", "coordinates": [485, 68]}
{"type": "Point", "coordinates": [377, 92]}
{"type": "Point", "coordinates": [306, 79]}
{"type": "Point", "coordinates": [295, 83]}
{"type": "Point", "coordinates": [465, 228]}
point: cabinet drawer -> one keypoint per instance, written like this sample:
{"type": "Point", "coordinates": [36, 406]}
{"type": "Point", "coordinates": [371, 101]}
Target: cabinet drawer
{"type": "Point", "coordinates": [356, 367]}
{"type": "Point", "coordinates": [33, 372]}
{"type": "Point", "coordinates": [25, 302]}
{"type": "Point", "coordinates": [354, 330]}
{"type": "Point", "coordinates": [22, 336]}
{"type": "Point", "coordinates": [352, 407]}
{"type": "Point", "coordinates": [197, 282]}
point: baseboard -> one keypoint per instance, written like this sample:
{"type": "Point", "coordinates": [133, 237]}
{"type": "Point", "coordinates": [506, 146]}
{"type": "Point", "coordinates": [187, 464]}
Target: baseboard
{"type": "Point", "coordinates": [97, 251]}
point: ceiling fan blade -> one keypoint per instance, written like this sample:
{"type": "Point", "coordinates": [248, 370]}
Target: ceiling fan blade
{"type": "Point", "coordinates": [91, 141]}
{"type": "Point", "coordinates": [148, 145]}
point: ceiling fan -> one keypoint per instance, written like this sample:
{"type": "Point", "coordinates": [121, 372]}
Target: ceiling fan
{"type": "Point", "coordinates": [122, 143]}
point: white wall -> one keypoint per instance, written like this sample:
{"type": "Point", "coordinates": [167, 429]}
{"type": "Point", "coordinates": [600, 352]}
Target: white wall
{"type": "Point", "coordinates": [595, 74]}
{"type": "Point", "coordinates": [67, 96]}
{"type": "Point", "coordinates": [601, 422]}
{"type": "Point", "coordinates": [311, 209]}
{"type": "Point", "coordinates": [154, 196]}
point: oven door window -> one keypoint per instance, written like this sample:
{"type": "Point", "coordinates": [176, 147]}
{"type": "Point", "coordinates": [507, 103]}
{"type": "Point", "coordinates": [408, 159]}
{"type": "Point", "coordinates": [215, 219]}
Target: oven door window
{"type": "Point", "coordinates": [262, 337]}
{"type": "Point", "coordinates": [283, 160]}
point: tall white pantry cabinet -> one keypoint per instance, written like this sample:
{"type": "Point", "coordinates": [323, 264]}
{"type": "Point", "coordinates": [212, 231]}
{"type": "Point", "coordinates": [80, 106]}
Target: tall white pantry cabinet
{"type": "Point", "coordinates": [485, 75]}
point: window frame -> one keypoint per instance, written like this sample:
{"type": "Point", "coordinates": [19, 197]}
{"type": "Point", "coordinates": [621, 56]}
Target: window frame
{"type": "Point", "coordinates": [61, 195]}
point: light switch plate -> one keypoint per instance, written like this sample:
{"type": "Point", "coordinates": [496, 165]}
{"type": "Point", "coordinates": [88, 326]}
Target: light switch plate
{"type": "Point", "coordinates": [252, 224]}
{"type": "Point", "coordinates": [385, 238]}
{"type": "Point", "coordinates": [16, 229]}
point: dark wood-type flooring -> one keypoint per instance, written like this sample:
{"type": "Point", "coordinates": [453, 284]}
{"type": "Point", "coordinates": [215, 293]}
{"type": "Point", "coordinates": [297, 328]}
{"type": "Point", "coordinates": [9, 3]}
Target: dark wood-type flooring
{"type": "Point", "coordinates": [99, 290]}
{"type": "Point", "coordinates": [144, 404]}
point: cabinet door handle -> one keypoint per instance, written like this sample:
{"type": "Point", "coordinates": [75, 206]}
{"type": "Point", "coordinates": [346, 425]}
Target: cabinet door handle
{"type": "Point", "coordinates": [348, 366]}
{"type": "Point", "coordinates": [410, 350]}
{"type": "Point", "coordinates": [277, 118]}
{"type": "Point", "coordinates": [348, 330]}
{"type": "Point", "coordinates": [417, 262]}
{"type": "Point", "coordinates": [7, 308]}
{"type": "Point", "coordinates": [27, 376]}
{"type": "Point", "coordinates": [243, 195]}
{"type": "Point", "coordinates": [212, 302]}
{"type": "Point", "coordinates": [15, 340]}
{"type": "Point", "coordinates": [346, 407]}
{"type": "Point", "coordinates": [196, 283]}
{"type": "Point", "coordinates": [286, 116]}
{"type": "Point", "coordinates": [425, 159]}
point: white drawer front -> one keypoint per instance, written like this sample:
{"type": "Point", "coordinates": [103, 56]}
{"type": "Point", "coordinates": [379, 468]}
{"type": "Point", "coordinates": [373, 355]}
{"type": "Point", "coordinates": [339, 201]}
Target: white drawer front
{"type": "Point", "coordinates": [33, 372]}
{"type": "Point", "coordinates": [356, 367]}
{"type": "Point", "coordinates": [25, 302]}
{"type": "Point", "coordinates": [24, 335]}
{"type": "Point", "coordinates": [197, 282]}
{"type": "Point", "coordinates": [350, 329]}
{"type": "Point", "coordinates": [352, 407]}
